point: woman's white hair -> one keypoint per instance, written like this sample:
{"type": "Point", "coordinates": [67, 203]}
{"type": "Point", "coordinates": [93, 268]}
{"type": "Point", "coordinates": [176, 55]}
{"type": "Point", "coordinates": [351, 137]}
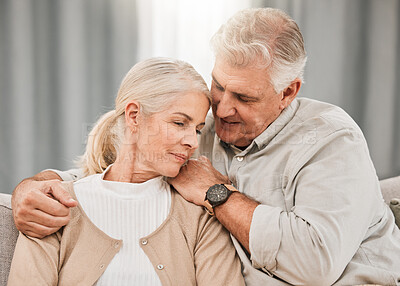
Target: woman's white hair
{"type": "Point", "coordinates": [265, 37]}
{"type": "Point", "coordinates": [155, 84]}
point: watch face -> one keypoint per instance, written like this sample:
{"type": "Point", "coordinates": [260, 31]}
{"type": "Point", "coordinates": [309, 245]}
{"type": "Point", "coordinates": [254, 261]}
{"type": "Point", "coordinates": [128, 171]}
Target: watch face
{"type": "Point", "coordinates": [217, 194]}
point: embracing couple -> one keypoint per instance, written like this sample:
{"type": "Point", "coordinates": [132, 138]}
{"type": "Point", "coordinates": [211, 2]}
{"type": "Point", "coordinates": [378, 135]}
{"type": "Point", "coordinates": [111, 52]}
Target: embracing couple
{"type": "Point", "coordinates": [282, 190]}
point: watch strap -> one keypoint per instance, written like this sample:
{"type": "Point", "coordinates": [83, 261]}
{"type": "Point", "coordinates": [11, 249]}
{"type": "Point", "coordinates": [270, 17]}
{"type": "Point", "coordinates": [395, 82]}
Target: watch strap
{"type": "Point", "coordinates": [208, 207]}
{"type": "Point", "coordinates": [231, 188]}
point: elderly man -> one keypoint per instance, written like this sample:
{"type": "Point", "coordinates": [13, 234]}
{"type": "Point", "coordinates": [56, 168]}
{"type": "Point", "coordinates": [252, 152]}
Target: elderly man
{"type": "Point", "coordinates": [291, 179]}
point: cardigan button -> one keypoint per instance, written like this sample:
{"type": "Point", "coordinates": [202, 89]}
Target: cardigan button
{"type": "Point", "coordinates": [144, 241]}
{"type": "Point", "coordinates": [160, 267]}
{"type": "Point", "coordinates": [101, 266]}
{"type": "Point", "coordinates": [116, 245]}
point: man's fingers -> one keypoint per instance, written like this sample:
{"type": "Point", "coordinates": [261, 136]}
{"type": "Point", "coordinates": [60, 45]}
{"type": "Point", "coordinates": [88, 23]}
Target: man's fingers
{"type": "Point", "coordinates": [204, 162]}
{"type": "Point", "coordinates": [38, 230]}
{"type": "Point", "coordinates": [203, 158]}
{"type": "Point", "coordinates": [62, 195]}
{"type": "Point", "coordinates": [35, 202]}
{"type": "Point", "coordinates": [49, 221]}
{"type": "Point", "coordinates": [33, 234]}
{"type": "Point", "coordinates": [50, 206]}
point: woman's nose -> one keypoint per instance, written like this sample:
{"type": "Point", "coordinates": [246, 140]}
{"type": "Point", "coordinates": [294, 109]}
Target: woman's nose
{"type": "Point", "coordinates": [190, 139]}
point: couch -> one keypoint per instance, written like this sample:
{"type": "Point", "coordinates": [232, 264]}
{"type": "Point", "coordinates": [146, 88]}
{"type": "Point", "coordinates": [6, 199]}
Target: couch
{"type": "Point", "coordinates": [8, 233]}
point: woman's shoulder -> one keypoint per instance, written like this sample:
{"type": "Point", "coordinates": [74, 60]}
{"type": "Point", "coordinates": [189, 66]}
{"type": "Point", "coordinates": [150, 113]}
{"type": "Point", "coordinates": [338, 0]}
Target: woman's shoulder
{"type": "Point", "coordinates": [182, 206]}
{"type": "Point", "coordinates": [190, 216]}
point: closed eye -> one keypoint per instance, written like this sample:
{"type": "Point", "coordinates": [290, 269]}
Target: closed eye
{"type": "Point", "coordinates": [219, 87]}
{"type": "Point", "coordinates": [243, 99]}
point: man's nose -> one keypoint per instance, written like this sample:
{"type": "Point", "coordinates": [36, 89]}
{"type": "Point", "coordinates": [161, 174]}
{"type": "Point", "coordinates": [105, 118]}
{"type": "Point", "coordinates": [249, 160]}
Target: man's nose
{"type": "Point", "coordinates": [225, 106]}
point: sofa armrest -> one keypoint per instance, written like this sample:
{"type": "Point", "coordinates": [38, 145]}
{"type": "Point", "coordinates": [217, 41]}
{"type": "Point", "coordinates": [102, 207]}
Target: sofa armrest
{"type": "Point", "coordinates": [8, 237]}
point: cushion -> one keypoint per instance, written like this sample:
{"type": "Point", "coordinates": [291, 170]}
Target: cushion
{"type": "Point", "coordinates": [8, 237]}
{"type": "Point", "coordinates": [390, 188]}
{"type": "Point", "coordinates": [395, 207]}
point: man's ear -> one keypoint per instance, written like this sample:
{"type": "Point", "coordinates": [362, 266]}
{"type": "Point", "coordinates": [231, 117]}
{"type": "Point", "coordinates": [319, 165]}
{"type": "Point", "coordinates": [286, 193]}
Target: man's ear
{"type": "Point", "coordinates": [289, 93]}
{"type": "Point", "coordinates": [132, 110]}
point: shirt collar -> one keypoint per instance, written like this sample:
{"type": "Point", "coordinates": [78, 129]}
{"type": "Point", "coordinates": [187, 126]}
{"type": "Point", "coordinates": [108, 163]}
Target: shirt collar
{"type": "Point", "coordinates": [275, 127]}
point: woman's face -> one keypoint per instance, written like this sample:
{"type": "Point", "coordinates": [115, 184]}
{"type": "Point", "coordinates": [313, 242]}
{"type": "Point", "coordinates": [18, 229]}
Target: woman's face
{"type": "Point", "coordinates": [167, 139]}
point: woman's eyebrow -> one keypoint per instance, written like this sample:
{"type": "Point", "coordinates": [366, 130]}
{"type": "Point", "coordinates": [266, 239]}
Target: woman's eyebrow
{"type": "Point", "coordinates": [184, 115]}
{"type": "Point", "coordinates": [189, 118]}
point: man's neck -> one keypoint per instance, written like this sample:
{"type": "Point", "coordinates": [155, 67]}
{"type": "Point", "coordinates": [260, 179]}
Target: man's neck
{"type": "Point", "coordinates": [241, 147]}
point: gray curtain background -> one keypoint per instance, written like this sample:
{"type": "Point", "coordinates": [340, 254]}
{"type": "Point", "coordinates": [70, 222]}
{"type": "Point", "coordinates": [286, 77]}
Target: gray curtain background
{"type": "Point", "coordinates": [61, 62]}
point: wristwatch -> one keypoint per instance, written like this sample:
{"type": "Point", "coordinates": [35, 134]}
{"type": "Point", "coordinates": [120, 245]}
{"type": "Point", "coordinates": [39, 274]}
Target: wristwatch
{"type": "Point", "coordinates": [217, 195]}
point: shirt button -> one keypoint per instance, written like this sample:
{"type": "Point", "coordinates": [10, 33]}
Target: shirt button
{"type": "Point", "coordinates": [240, 158]}
{"type": "Point", "coordinates": [160, 267]}
{"type": "Point", "coordinates": [116, 245]}
{"type": "Point", "coordinates": [144, 241]}
{"type": "Point", "coordinates": [101, 266]}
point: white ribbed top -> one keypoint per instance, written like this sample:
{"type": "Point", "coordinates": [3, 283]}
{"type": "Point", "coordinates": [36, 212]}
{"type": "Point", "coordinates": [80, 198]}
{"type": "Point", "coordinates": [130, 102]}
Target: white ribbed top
{"type": "Point", "coordinates": [126, 211]}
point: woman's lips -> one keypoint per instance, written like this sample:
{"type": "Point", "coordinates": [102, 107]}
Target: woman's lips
{"type": "Point", "coordinates": [180, 157]}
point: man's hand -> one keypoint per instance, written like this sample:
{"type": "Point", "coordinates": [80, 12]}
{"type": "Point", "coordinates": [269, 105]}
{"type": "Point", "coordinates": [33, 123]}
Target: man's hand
{"type": "Point", "coordinates": [236, 214]}
{"type": "Point", "coordinates": [195, 178]}
{"type": "Point", "coordinates": [40, 208]}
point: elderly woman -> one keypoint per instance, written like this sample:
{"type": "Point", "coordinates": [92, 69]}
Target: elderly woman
{"type": "Point", "coordinates": [130, 228]}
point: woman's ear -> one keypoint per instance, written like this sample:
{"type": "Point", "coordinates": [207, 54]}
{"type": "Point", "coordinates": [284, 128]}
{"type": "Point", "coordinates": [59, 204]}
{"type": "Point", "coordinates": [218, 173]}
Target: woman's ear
{"type": "Point", "coordinates": [289, 93]}
{"type": "Point", "coordinates": [132, 110]}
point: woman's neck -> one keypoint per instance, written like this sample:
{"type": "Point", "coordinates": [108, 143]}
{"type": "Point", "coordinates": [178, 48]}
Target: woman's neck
{"type": "Point", "coordinates": [128, 170]}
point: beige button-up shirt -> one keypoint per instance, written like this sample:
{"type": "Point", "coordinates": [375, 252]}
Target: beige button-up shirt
{"type": "Point", "coordinates": [322, 218]}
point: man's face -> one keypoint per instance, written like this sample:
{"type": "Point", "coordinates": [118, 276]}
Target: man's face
{"type": "Point", "coordinates": [244, 102]}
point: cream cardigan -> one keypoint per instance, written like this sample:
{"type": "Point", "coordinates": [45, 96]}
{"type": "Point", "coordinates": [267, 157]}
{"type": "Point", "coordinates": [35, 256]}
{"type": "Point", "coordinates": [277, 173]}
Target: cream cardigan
{"type": "Point", "coordinates": [189, 248]}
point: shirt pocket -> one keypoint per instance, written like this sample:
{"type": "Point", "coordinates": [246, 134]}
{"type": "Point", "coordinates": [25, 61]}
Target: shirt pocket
{"type": "Point", "coordinates": [267, 190]}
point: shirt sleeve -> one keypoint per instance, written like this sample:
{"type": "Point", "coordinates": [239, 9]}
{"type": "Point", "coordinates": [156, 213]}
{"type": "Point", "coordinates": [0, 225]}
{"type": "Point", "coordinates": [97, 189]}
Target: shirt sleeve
{"type": "Point", "coordinates": [69, 175]}
{"type": "Point", "coordinates": [335, 191]}
{"type": "Point", "coordinates": [215, 258]}
{"type": "Point", "coordinates": [35, 261]}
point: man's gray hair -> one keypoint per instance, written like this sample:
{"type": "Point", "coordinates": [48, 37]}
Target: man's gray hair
{"type": "Point", "coordinates": [266, 37]}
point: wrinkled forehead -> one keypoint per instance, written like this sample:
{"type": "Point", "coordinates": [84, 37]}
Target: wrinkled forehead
{"type": "Point", "coordinates": [242, 60]}
{"type": "Point", "coordinates": [253, 72]}
{"type": "Point", "coordinates": [251, 75]}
